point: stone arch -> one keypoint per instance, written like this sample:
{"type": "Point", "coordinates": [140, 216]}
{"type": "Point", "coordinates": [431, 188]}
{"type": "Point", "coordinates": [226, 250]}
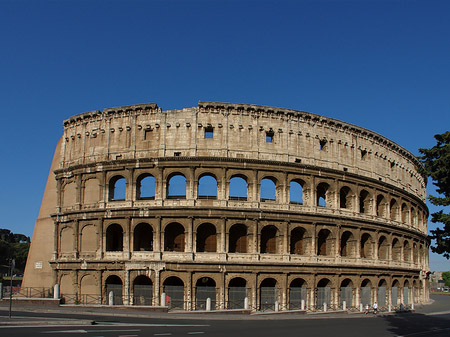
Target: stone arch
{"type": "Point", "coordinates": [174, 238]}
{"type": "Point", "coordinates": [406, 293]}
{"type": "Point", "coordinates": [298, 241]}
{"type": "Point", "coordinates": [145, 187]}
{"type": "Point", "coordinates": [346, 197]}
{"type": "Point", "coordinates": [69, 194]}
{"type": "Point", "coordinates": [415, 253]}
{"type": "Point", "coordinates": [413, 217]}
{"type": "Point", "coordinates": [268, 294]}
{"type": "Point", "coordinates": [366, 292]}
{"type": "Point", "coordinates": [237, 292]}
{"type": "Point", "coordinates": [298, 292]}
{"type": "Point", "coordinates": [143, 237]}
{"type": "Point", "coordinates": [114, 238]}
{"type": "Point", "coordinates": [348, 244]}
{"type": "Point", "coordinates": [366, 246]}
{"type": "Point", "coordinates": [322, 190]}
{"type": "Point", "coordinates": [394, 209]}
{"type": "Point", "coordinates": [205, 287]}
{"type": "Point", "coordinates": [269, 240]}
{"type": "Point", "coordinates": [114, 284]}
{"type": "Point", "coordinates": [296, 191]}
{"type": "Point", "coordinates": [268, 190]}
{"type": "Point", "coordinates": [176, 186]}
{"type": "Point", "coordinates": [382, 293]}
{"type": "Point", "coordinates": [381, 206]}
{"type": "Point", "coordinates": [238, 239]}
{"type": "Point", "coordinates": [325, 242]}
{"type": "Point", "coordinates": [66, 285]}
{"type": "Point", "coordinates": [117, 188]}
{"type": "Point", "coordinates": [89, 289]}
{"type": "Point", "coordinates": [395, 293]}
{"type": "Point", "coordinates": [206, 238]}
{"type": "Point", "coordinates": [238, 187]}
{"type": "Point", "coordinates": [91, 191]}
{"type": "Point", "coordinates": [396, 250]}
{"type": "Point", "coordinates": [323, 293]}
{"type": "Point", "coordinates": [142, 290]}
{"type": "Point", "coordinates": [66, 240]}
{"type": "Point", "coordinates": [207, 186]}
{"type": "Point", "coordinates": [346, 293]}
{"type": "Point", "coordinates": [405, 213]}
{"type": "Point", "coordinates": [173, 287]}
{"type": "Point", "coordinates": [383, 248]}
{"type": "Point", "coordinates": [364, 202]}
{"type": "Point", "coordinates": [406, 251]}
{"type": "Point", "coordinates": [89, 239]}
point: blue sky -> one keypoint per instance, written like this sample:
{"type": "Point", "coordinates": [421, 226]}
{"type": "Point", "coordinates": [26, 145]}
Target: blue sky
{"type": "Point", "coordinates": [383, 65]}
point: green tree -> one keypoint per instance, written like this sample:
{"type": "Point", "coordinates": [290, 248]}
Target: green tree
{"type": "Point", "coordinates": [13, 246]}
{"type": "Point", "coordinates": [436, 164]}
{"type": "Point", "coordinates": [446, 278]}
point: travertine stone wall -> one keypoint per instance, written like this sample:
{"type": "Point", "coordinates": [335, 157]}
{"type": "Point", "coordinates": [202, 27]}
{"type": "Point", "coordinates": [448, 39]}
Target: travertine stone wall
{"type": "Point", "coordinates": [371, 232]}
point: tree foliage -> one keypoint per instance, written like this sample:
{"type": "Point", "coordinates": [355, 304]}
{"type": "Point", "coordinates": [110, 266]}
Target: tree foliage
{"type": "Point", "coordinates": [13, 246]}
{"type": "Point", "coordinates": [446, 278]}
{"type": "Point", "coordinates": [436, 164]}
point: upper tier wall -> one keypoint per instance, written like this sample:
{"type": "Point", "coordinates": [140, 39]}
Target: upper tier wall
{"type": "Point", "coordinates": [238, 131]}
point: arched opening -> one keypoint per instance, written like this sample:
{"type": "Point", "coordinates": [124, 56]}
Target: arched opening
{"type": "Point", "coordinates": [297, 294]}
{"type": "Point", "coordinates": [406, 252]}
{"type": "Point", "coordinates": [382, 293]}
{"type": "Point", "coordinates": [415, 253]}
{"type": "Point", "coordinates": [206, 238]}
{"type": "Point", "coordinates": [296, 191]}
{"type": "Point", "coordinates": [404, 213]}
{"type": "Point", "coordinates": [298, 241]}
{"type": "Point", "coordinates": [142, 290]}
{"type": "Point", "coordinates": [394, 209]}
{"type": "Point", "coordinates": [174, 238]}
{"type": "Point", "coordinates": [366, 293]}
{"type": "Point", "coordinates": [381, 206]}
{"type": "Point", "coordinates": [395, 293]}
{"type": "Point", "coordinates": [383, 248]}
{"type": "Point", "coordinates": [396, 250]}
{"type": "Point", "coordinates": [364, 202]}
{"type": "Point", "coordinates": [268, 294]}
{"type": "Point", "coordinates": [145, 188]}
{"type": "Point", "coordinates": [117, 188]}
{"type": "Point", "coordinates": [176, 186]}
{"type": "Point", "coordinates": [143, 237]}
{"type": "Point", "coordinates": [237, 292]}
{"type": "Point", "coordinates": [173, 287]}
{"type": "Point", "coordinates": [324, 243]}
{"type": "Point", "coordinates": [238, 239]}
{"type": "Point", "coordinates": [268, 189]}
{"type": "Point", "coordinates": [238, 188]}
{"type": "Point", "coordinates": [345, 198]}
{"type": "Point", "coordinates": [406, 300]}
{"type": "Point", "coordinates": [205, 288]}
{"type": "Point", "coordinates": [114, 284]}
{"type": "Point", "coordinates": [269, 240]}
{"type": "Point", "coordinates": [323, 293]}
{"type": "Point", "coordinates": [413, 217]}
{"type": "Point", "coordinates": [207, 187]}
{"type": "Point", "coordinates": [346, 293]}
{"type": "Point", "coordinates": [366, 251]}
{"type": "Point", "coordinates": [347, 244]}
{"type": "Point", "coordinates": [114, 238]}
{"type": "Point", "coordinates": [322, 191]}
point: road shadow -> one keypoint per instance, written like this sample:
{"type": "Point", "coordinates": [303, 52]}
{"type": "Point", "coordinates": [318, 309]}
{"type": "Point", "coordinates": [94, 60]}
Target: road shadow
{"type": "Point", "coordinates": [415, 324]}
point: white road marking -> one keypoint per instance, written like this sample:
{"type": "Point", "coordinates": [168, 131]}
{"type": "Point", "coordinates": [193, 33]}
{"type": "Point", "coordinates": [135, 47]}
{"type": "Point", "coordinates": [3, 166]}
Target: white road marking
{"type": "Point", "coordinates": [92, 331]}
{"type": "Point", "coordinates": [196, 333]}
{"type": "Point", "coordinates": [162, 334]}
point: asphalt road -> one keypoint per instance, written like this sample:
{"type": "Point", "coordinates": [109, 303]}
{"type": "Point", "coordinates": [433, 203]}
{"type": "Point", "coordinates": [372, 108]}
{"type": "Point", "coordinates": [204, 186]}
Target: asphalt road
{"type": "Point", "coordinates": [426, 323]}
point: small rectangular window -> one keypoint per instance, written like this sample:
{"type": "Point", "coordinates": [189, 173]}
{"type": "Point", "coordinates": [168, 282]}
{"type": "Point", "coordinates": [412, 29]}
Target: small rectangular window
{"type": "Point", "coordinates": [209, 132]}
{"type": "Point", "coordinates": [269, 137]}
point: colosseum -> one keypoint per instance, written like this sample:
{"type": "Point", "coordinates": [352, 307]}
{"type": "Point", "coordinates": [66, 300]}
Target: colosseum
{"type": "Point", "coordinates": [230, 206]}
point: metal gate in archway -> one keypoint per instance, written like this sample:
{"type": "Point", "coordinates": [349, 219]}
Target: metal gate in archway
{"type": "Point", "coordinates": [346, 294]}
{"type": "Point", "coordinates": [268, 298]}
{"type": "Point", "coordinates": [296, 295]}
{"type": "Point", "coordinates": [405, 295]}
{"type": "Point", "coordinates": [236, 297]}
{"type": "Point", "coordinates": [394, 298]}
{"type": "Point", "coordinates": [366, 298]}
{"type": "Point", "coordinates": [117, 293]}
{"type": "Point", "coordinates": [142, 294]}
{"type": "Point", "coordinates": [323, 296]}
{"type": "Point", "coordinates": [174, 296]}
{"type": "Point", "coordinates": [381, 296]}
{"type": "Point", "coordinates": [202, 293]}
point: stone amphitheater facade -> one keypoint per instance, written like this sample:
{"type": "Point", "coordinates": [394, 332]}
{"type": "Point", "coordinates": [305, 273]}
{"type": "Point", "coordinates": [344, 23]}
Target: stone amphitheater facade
{"type": "Point", "coordinates": [249, 206]}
